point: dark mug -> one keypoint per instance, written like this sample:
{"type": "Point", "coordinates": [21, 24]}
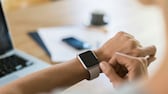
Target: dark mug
{"type": "Point", "coordinates": [98, 18]}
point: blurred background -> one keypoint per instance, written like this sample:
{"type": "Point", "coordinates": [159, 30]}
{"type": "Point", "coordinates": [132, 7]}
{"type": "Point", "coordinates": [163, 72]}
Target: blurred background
{"type": "Point", "coordinates": [11, 5]}
{"type": "Point", "coordinates": [26, 16]}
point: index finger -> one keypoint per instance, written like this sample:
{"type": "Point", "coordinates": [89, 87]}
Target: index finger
{"type": "Point", "coordinates": [121, 58]}
{"type": "Point", "coordinates": [146, 51]}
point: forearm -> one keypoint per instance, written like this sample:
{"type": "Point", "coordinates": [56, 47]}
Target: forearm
{"type": "Point", "coordinates": [57, 76]}
{"type": "Point", "coordinates": [72, 71]}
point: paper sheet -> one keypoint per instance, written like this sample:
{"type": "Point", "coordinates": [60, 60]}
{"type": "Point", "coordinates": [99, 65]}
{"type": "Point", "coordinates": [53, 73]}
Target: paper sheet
{"type": "Point", "coordinates": [52, 38]}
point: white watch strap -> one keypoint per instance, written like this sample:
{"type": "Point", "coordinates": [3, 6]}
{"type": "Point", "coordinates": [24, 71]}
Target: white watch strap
{"type": "Point", "coordinates": [94, 72]}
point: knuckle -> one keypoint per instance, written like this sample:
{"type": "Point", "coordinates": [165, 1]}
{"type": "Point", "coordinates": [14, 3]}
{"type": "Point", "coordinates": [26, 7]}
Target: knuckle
{"type": "Point", "coordinates": [121, 33]}
{"type": "Point", "coordinates": [154, 49]}
{"type": "Point", "coordinates": [127, 37]}
{"type": "Point", "coordinates": [132, 43]}
{"type": "Point", "coordinates": [136, 52]}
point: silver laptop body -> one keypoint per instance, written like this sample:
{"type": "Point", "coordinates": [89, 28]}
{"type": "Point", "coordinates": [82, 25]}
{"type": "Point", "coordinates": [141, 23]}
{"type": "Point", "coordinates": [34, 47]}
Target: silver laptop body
{"type": "Point", "coordinates": [14, 63]}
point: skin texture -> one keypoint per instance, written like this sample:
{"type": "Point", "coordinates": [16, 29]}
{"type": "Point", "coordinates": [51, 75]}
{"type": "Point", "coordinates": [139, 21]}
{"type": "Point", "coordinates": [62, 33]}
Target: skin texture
{"type": "Point", "coordinates": [72, 71]}
{"type": "Point", "coordinates": [135, 67]}
{"type": "Point", "coordinates": [158, 83]}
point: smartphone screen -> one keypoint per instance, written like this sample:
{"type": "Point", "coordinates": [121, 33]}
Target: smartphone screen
{"type": "Point", "coordinates": [76, 43]}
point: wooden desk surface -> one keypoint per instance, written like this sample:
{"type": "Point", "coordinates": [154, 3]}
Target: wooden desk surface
{"type": "Point", "coordinates": [27, 20]}
{"type": "Point", "coordinates": [62, 12]}
{"type": "Point", "coordinates": [75, 12]}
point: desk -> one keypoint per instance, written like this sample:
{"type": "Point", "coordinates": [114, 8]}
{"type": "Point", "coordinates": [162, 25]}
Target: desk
{"type": "Point", "coordinates": [125, 15]}
{"type": "Point", "coordinates": [57, 13]}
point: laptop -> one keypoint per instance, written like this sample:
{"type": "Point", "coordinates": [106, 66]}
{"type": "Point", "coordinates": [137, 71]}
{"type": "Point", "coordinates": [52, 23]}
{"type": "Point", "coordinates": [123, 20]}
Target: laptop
{"type": "Point", "coordinates": [14, 63]}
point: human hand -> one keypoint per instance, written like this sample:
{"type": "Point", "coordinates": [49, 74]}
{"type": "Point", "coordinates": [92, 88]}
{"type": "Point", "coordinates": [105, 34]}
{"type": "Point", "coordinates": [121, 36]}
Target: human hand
{"type": "Point", "coordinates": [124, 43]}
{"type": "Point", "coordinates": [132, 67]}
{"type": "Point", "coordinates": [121, 42]}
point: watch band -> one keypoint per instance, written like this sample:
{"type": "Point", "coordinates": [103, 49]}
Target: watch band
{"type": "Point", "coordinates": [90, 63]}
{"type": "Point", "coordinates": [94, 72]}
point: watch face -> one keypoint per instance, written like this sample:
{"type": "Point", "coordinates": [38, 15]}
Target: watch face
{"type": "Point", "coordinates": [88, 59]}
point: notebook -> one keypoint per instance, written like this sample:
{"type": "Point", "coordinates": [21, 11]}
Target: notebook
{"type": "Point", "coordinates": [14, 63]}
{"type": "Point", "coordinates": [35, 36]}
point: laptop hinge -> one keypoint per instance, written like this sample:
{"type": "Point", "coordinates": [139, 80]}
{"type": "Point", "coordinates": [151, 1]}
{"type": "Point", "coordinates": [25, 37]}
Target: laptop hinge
{"type": "Point", "coordinates": [9, 53]}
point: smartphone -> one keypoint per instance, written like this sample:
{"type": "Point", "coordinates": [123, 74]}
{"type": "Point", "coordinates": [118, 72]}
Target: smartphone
{"type": "Point", "coordinates": [76, 43]}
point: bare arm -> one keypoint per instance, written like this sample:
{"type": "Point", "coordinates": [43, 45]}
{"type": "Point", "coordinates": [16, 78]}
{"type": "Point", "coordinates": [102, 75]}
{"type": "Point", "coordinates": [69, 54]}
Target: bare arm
{"type": "Point", "coordinates": [71, 72]}
{"type": "Point", "coordinates": [57, 76]}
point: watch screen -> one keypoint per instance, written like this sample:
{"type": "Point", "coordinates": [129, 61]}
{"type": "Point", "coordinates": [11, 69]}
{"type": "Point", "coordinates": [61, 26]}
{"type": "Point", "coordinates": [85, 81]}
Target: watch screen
{"type": "Point", "coordinates": [89, 59]}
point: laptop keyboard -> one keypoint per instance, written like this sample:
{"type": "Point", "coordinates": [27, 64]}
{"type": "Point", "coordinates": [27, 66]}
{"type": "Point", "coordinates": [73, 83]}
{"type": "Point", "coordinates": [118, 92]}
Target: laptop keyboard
{"type": "Point", "coordinates": [11, 64]}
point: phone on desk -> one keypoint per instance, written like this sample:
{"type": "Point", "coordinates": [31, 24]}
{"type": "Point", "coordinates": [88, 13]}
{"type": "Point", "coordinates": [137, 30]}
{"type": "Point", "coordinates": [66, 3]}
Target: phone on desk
{"type": "Point", "coordinates": [76, 43]}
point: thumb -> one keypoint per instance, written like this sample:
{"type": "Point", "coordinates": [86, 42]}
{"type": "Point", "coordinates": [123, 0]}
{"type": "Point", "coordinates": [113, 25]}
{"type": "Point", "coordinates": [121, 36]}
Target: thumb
{"type": "Point", "coordinates": [109, 71]}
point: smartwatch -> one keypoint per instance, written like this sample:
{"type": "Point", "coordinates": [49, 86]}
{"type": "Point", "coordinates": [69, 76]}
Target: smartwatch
{"type": "Point", "coordinates": [90, 63]}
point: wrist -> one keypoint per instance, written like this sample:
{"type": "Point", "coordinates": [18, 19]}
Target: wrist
{"type": "Point", "coordinates": [89, 61]}
{"type": "Point", "coordinates": [82, 71]}
{"type": "Point", "coordinates": [100, 55]}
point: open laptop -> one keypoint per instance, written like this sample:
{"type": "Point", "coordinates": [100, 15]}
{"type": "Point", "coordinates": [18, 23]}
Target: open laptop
{"type": "Point", "coordinates": [14, 63]}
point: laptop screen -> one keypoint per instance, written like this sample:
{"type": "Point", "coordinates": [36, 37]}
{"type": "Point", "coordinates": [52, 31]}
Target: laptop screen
{"type": "Point", "coordinates": [5, 42]}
